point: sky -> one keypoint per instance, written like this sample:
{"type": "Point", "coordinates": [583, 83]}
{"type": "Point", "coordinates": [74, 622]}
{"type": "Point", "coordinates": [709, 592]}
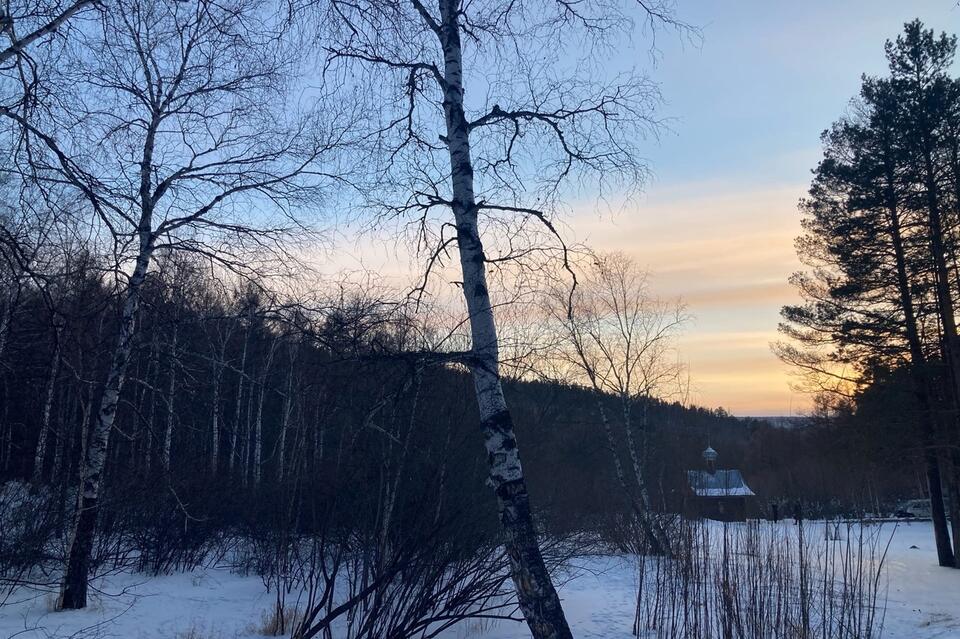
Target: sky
{"type": "Point", "coordinates": [745, 108]}
{"type": "Point", "coordinates": [716, 225]}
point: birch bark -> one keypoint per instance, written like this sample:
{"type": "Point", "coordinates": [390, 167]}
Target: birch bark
{"type": "Point", "coordinates": [536, 594]}
{"type": "Point", "coordinates": [234, 434]}
{"type": "Point", "coordinates": [171, 393]}
{"type": "Point", "coordinates": [215, 417]}
{"type": "Point", "coordinates": [40, 456]}
{"type": "Point", "coordinates": [73, 592]}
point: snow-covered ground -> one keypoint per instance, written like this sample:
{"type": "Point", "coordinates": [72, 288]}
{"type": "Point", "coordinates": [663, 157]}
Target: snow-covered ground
{"type": "Point", "coordinates": [923, 602]}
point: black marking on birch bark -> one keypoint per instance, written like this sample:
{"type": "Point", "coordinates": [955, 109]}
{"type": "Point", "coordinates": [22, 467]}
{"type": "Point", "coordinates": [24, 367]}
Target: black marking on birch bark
{"type": "Point", "coordinates": [501, 423]}
{"type": "Point", "coordinates": [464, 168]}
{"type": "Point", "coordinates": [516, 500]}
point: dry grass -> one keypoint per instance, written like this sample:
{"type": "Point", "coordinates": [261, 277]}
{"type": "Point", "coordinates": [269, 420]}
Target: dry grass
{"type": "Point", "coordinates": [765, 581]}
{"type": "Point", "coordinates": [196, 631]}
{"type": "Point", "coordinates": [277, 622]}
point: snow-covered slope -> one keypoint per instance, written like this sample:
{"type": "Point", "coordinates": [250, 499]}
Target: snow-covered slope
{"type": "Point", "coordinates": [923, 602]}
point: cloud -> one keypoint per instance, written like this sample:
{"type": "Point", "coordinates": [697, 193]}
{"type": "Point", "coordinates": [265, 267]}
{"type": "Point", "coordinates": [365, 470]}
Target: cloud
{"type": "Point", "coordinates": [727, 251]}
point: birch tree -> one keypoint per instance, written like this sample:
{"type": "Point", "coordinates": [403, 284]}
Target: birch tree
{"type": "Point", "coordinates": [483, 126]}
{"type": "Point", "coordinates": [173, 126]}
{"type": "Point", "coordinates": [618, 339]}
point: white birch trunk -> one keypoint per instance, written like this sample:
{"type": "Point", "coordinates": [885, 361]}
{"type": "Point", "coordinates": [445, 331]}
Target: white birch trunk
{"type": "Point", "coordinates": [536, 594]}
{"type": "Point", "coordinates": [68, 401]}
{"type": "Point", "coordinates": [74, 591]}
{"type": "Point", "coordinates": [171, 393]}
{"type": "Point", "coordinates": [40, 457]}
{"type": "Point", "coordinates": [258, 424]}
{"type": "Point", "coordinates": [285, 423]}
{"type": "Point", "coordinates": [258, 439]}
{"type": "Point", "coordinates": [6, 318]}
{"type": "Point", "coordinates": [659, 544]}
{"type": "Point", "coordinates": [215, 418]}
{"type": "Point", "coordinates": [234, 434]}
{"type": "Point", "coordinates": [148, 432]}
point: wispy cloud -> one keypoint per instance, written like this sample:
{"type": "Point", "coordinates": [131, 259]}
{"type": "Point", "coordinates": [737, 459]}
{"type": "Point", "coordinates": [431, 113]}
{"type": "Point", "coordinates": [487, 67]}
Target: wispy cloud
{"type": "Point", "coordinates": [726, 251]}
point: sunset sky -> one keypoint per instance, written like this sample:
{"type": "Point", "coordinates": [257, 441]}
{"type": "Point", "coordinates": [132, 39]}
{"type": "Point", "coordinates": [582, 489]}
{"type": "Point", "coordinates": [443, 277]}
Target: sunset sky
{"type": "Point", "coordinates": [717, 224]}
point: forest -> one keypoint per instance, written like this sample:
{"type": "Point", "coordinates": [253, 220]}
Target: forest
{"type": "Point", "coordinates": [182, 388]}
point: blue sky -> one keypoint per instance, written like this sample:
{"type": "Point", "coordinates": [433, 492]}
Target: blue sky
{"type": "Point", "coordinates": [716, 225]}
{"type": "Point", "coordinates": [769, 76]}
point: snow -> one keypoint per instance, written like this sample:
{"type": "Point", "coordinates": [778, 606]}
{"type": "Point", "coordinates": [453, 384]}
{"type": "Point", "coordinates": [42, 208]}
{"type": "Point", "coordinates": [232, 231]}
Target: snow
{"type": "Point", "coordinates": [740, 491]}
{"type": "Point", "coordinates": [720, 483]}
{"type": "Point", "coordinates": [923, 601]}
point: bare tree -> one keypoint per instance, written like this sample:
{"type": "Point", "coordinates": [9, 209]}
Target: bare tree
{"type": "Point", "coordinates": [173, 126]}
{"type": "Point", "coordinates": [617, 338]}
{"type": "Point", "coordinates": [502, 158]}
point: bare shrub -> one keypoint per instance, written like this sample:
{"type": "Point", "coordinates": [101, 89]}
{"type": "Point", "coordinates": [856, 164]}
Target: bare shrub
{"type": "Point", "coordinates": [27, 531]}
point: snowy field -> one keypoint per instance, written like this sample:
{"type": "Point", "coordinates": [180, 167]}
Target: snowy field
{"type": "Point", "coordinates": [923, 602]}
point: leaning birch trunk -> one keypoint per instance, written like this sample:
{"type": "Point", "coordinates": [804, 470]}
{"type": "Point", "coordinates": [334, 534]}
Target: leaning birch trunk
{"type": "Point", "coordinates": [285, 422]}
{"type": "Point", "coordinates": [640, 507]}
{"type": "Point", "coordinates": [215, 418]}
{"type": "Point", "coordinates": [535, 592]}
{"type": "Point", "coordinates": [258, 439]}
{"type": "Point", "coordinates": [40, 457]}
{"type": "Point", "coordinates": [234, 434]}
{"type": "Point", "coordinates": [171, 392]}
{"type": "Point", "coordinates": [73, 593]}
{"type": "Point", "coordinates": [659, 542]}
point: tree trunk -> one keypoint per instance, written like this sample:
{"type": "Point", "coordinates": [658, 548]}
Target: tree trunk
{"type": "Point", "coordinates": [920, 381]}
{"type": "Point", "coordinates": [40, 457]}
{"type": "Point", "coordinates": [6, 317]}
{"type": "Point", "coordinates": [215, 418]}
{"type": "Point", "coordinates": [73, 593]}
{"type": "Point", "coordinates": [69, 399]}
{"type": "Point", "coordinates": [171, 392]}
{"type": "Point", "coordinates": [652, 529]}
{"type": "Point", "coordinates": [246, 446]}
{"type": "Point", "coordinates": [535, 592]}
{"type": "Point", "coordinates": [640, 507]}
{"type": "Point", "coordinates": [234, 434]}
{"type": "Point", "coordinates": [285, 422]}
{"type": "Point", "coordinates": [151, 413]}
{"type": "Point", "coordinates": [953, 491]}
{"type": "Point", "coordinates": [258, 439]}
